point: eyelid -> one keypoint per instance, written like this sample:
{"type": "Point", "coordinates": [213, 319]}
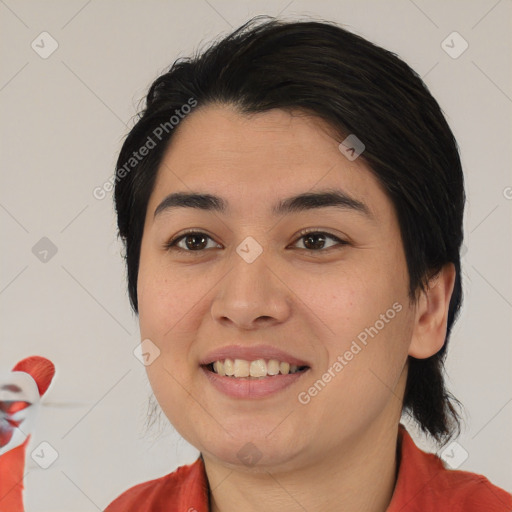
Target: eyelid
{"type": "Point", "coordinates": [323, 231]}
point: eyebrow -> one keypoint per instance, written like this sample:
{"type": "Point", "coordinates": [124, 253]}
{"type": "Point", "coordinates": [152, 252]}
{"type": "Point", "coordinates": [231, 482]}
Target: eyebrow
{"type": "Point", "coordinates": [298, 203]}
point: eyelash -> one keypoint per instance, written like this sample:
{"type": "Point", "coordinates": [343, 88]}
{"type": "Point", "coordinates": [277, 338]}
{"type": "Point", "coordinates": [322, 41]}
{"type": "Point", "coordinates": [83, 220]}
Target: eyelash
{"type": "Point", "coordinates": [171, 244]}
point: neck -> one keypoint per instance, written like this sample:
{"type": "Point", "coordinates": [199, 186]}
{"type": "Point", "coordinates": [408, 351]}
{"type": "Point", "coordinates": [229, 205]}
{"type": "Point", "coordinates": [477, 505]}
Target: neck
{"type": "Point", "coordinates": [358, 476]}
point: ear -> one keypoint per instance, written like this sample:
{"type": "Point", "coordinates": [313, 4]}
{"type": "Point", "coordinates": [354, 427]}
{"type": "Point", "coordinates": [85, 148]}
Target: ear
{"type": "Point", "coordinates": [432, 314]}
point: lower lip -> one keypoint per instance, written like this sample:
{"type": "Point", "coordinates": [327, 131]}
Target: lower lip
{"type": "Point", "coordinates": [240, 387]}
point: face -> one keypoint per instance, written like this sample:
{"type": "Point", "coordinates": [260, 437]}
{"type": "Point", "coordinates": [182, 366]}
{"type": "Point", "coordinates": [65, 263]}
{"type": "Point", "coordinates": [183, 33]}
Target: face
{"type": "Point", "coordinates": [322, 286]}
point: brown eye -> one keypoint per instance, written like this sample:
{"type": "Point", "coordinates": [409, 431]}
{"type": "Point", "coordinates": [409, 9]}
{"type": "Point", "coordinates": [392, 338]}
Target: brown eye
{"type": "Point", "coordinates": [194, 241]}
{"type": "Point", "coordinates": [315, 240]}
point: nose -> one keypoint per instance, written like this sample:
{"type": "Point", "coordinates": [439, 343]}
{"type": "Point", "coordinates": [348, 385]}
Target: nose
{"type": "Point", "coordinates": [251, 295]}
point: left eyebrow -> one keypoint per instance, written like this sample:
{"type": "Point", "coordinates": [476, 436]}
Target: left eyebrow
{"type": "Point", "coordinates": [298, 203]}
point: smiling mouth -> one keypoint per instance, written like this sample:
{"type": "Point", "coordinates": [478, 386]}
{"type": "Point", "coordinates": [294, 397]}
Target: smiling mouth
{"type": "Point", "coordinates": [257, 369]}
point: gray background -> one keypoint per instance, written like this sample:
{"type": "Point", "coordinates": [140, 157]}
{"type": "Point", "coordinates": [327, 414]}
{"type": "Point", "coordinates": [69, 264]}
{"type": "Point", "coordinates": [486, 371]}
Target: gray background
{"type": "Point", "coordinates": [63, 119]}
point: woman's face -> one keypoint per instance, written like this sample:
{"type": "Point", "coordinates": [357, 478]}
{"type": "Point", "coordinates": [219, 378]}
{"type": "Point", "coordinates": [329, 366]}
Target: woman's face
{"type": "Point", "coordinates": [250, 287]}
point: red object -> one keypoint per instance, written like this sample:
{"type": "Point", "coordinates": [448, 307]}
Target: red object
{"type": "Point", "coordinates": [12, 462]}
{"type": "Point", "coordinates": [12, 469]}
{"type": "Point", "coordinates": [423, 485]}
{"type": "Point", "coordinates": [40, 369]}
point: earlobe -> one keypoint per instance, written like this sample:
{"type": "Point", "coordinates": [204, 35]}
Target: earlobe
{"type": "Point", "coordinates": [429, 332]}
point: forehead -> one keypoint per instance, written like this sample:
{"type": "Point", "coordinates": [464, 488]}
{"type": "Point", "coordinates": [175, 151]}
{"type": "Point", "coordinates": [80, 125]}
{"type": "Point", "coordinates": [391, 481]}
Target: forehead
{"type": "Point", "coordinates": [254, 160]}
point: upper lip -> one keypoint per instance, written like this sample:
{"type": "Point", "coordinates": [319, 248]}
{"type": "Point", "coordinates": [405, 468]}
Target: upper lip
{"type": "Point", "coordinates": [251, 353]}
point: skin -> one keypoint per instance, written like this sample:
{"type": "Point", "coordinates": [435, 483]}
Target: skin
{"type": "Point", "coordinates": [338, 450]}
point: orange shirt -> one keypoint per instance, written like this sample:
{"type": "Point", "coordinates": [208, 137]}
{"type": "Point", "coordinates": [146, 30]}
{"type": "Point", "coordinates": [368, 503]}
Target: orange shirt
{"type": "Point", "coordinates": [423, 485]}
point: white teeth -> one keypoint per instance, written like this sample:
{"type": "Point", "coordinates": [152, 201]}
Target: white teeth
{"type": "Point", "coordinates": [229, 367]}
{"type": "Point", "coordinates": [241, 368]}
{"type": "Point", "coordinates": [273, 367]}
{"type": "Point", "coordinates": [218, 366]}
{"type": "Point", "coordinates": [256, 368]}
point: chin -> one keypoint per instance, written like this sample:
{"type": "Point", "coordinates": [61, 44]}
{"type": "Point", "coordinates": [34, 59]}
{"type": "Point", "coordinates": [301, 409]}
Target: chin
{"type": "Point", "coordinates": [254, 457]}
{"type": "Point", "coordinates": [250, 447]}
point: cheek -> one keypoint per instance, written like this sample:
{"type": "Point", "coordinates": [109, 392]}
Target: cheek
{"type": "Point", "coordinates": [369, 323]}
{"type": "Point", "coordinates": [167, 299]}
{"type": "Point", "coordinates": [351, 299]}
{"type": "Point", "coordinates": [164, 313]}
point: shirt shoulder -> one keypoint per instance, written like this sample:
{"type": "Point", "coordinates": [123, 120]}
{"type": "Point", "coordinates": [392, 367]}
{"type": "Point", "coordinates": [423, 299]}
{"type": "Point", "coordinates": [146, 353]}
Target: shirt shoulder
{"type": "Point", "coordinates": [471, 492]}
{"type": "Point", "coordinates": [425, 484]}
{"type": "Point", "coordinates": [184, 489]}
